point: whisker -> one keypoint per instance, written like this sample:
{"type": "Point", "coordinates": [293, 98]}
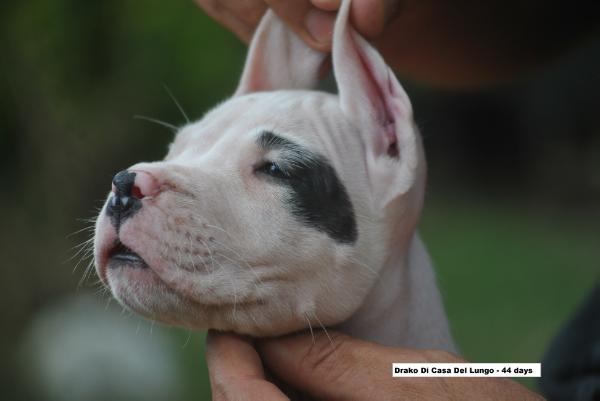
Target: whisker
{"type": "Point", "coordinates": [258, 289]}
{"type": "Point", "coordinates": [246, 263]}
{"type": "Point", "coordinates": [362, 264]}
{"type": "Point", "coordinates": [365, 217]}
{"type": "Point", "coordinates": [324, 329]}
{"type": "Point", "coordinates": [249, 313]}
{"type": "Point", "coordinates": [87, 228]}
{"type": "Point", "coordinates": [82, 244]}
{"type": "Point", "coordinates": [86, 255]}
{"type": "Point", "coordinates": [84, 251]}
{"type": "Point", "coordinates": [91, 219]}
{"type": "Point", "coordinates": [190, 255]}
{"type": "Point", "coordinates": [210, 254]}
{"type": "Point", "coordinates": [232, 282]}
{"type": "Point", "coordinates": [86, 273]}
{"type": "Point", "coordinates": [156, 121]}
{"type": "Point", "coordinates": [176, 102]}
{"type": "Point", "coordinates": [312, 334]}
{"type": "Point", "coordinates": [221, 229]}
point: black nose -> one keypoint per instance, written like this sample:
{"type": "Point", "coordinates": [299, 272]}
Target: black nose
{"type": "Point", "coordinates": [122, 204]}
{"type": "Point", "coordinates": [123, 182]}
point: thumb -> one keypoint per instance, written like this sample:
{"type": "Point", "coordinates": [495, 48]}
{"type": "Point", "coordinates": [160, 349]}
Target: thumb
{"type": "Point", "coordinates": [331, 366]}
{"type": "Point", "coordinates": [313, 25]}
{"type": "Point", "coordinates": [235, 369]}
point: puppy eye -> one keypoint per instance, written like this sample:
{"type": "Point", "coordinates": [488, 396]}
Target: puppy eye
{"type": "Point", "coordinates": [272, 169]}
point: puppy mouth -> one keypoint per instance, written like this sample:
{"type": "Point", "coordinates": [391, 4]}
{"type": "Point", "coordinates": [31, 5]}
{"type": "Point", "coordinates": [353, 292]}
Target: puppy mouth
{"type": "Point", "coordinates": [122, 256]}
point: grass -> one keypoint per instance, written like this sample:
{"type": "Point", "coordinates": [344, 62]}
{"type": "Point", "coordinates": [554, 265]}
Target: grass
{"type": "Point", "coordinates": [509, 277]}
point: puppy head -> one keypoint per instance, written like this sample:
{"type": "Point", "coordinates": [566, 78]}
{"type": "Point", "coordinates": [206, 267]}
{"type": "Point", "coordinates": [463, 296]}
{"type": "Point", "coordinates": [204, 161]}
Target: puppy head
{"type": "Point", "coordinates": [276, 210]}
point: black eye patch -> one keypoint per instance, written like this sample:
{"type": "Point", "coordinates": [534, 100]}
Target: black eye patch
{"type": "Point", "coordinates": [316, 197]}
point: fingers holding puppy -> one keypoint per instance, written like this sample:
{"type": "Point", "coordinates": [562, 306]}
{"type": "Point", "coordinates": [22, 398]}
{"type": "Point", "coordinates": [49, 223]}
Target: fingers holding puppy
{"type": "Point", "coordinates": [236, 371]}
{"type": "Point", "coordinates": [312, 20]}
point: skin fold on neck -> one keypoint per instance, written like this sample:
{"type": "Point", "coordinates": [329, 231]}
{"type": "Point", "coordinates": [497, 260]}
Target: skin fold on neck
{"type": "Point", "coordinates": [404, 307]}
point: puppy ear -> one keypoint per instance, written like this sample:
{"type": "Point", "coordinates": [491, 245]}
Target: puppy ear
{"type": "Point", "coordinates": [278, 59]}
{"type": "Point", "coordinates": [371, 96]}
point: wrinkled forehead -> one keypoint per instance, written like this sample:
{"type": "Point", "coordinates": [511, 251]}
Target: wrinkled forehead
{"type": "Point", "coordinates": [309, 118]}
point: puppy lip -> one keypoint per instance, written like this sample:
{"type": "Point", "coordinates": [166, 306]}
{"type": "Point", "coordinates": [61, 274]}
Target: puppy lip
{"type": "Point", "coordinates": [104, 246]}
{"type": "Point", "coordinates": [113, 253]}
{"type": "Point", "coordinates": [117, 252]}
{"type": "Point", "coordinates": [121, 255]}
{"type": "Point", "coordinates": [152, 280]}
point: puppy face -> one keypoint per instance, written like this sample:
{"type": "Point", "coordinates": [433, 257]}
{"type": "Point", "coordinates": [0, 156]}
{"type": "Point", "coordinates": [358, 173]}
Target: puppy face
{"type": "Point", "coordinates": [251, 226]}
{"type": "Point", "coordinates": [276, 210]}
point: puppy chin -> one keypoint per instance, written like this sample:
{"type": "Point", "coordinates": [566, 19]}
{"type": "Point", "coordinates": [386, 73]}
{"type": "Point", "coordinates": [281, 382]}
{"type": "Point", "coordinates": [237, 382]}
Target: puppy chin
{"type": "Point", "coordinates": [141, 291]}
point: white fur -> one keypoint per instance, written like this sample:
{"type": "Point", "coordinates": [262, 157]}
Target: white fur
{"type": "Point", "coordinates": [223, 250]}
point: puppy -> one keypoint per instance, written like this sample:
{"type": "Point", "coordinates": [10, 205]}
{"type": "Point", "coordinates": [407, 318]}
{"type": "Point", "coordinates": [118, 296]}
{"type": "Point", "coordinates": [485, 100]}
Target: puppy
{"type": "Point", "coordinates": [283, 208]}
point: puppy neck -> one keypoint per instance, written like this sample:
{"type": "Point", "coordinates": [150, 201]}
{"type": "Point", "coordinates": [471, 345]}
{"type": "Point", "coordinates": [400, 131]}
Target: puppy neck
{"type": "Point", "coordinates": [404, 307]}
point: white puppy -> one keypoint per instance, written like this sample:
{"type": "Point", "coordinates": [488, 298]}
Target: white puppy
{"type": "Point", "coordinates": [283, 208]}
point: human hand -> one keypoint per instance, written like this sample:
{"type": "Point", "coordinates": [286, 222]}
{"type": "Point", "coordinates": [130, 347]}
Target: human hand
{"type": "Point", "coordinates": [312, 20]}
{"type": "Point", "coordinates": [452, 44]}
{"type": "Point", "coordinates": [342, 369]}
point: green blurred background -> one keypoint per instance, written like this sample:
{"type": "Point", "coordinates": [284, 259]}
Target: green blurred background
{"type": "Point", "coordinates": [512, 217]}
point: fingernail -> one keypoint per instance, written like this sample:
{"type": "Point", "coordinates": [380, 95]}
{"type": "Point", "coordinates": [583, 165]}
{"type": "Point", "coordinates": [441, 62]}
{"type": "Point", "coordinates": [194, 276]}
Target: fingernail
{"type": "Point", "coordinates": [319, 25]}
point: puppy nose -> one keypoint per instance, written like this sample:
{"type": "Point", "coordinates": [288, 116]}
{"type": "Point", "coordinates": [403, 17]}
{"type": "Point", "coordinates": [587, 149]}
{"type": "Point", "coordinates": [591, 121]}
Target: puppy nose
{"type": "Point", "coordinates": [123, 188]}
{"type": "Point", "coordinates": [145, 184]}
{"type": "Point", "coordinates": [134, 184]}
{"type": "Point", "coordinates": [128, 188]}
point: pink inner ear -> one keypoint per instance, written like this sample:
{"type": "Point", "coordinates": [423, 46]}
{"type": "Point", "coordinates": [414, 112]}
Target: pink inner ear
{"type": "Point", "coordinates": [369, 92]}
{"type": "Point", "coordinates": [381, 94]}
